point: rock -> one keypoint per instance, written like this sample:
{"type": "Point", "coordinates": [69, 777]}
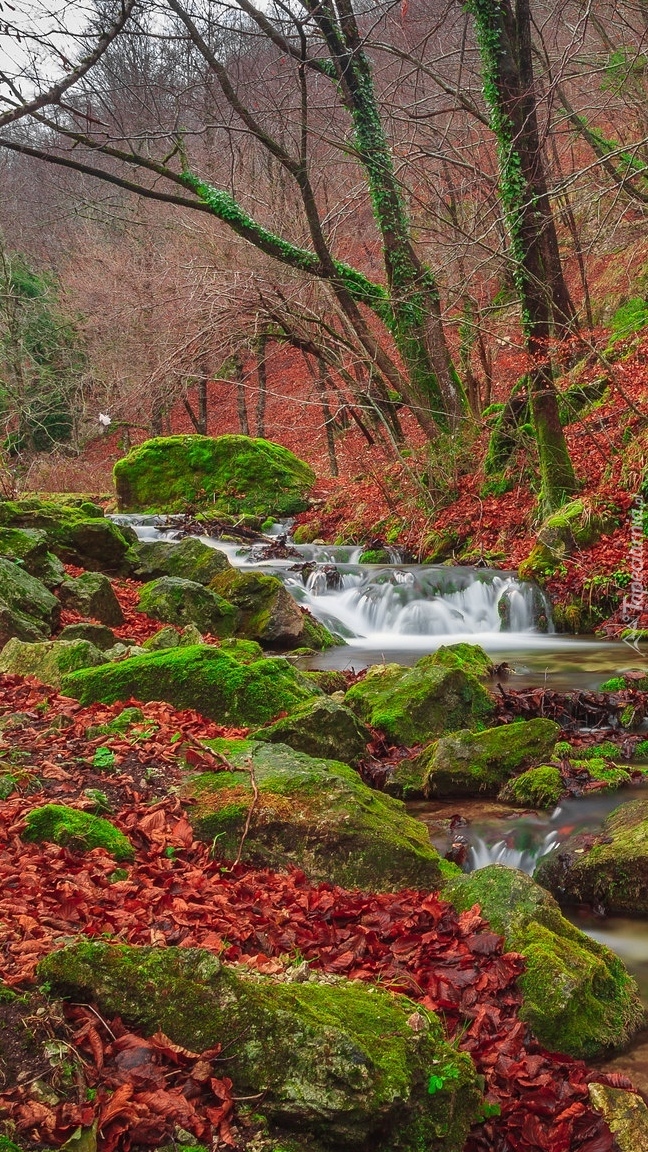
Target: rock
{"type": "Point", "coordinates": [378, 555]}
{"type": "Point", "coordinates": [167, 637]}
{"type": "Point", "coordinates": [29, 547]}
{"type": "Point", "coordinates": [327, 680]}
{"type": "Point", "coordinates": [92, 595]}
{"type": "Point", "coordinates": [578, 997]}
{"type": "Point", "coordinates": [268, 612]}
{"type": "Point", "coordinates": [337, 1062]}
{"type": "Point", "coordinates": [78, 831]}
{"type": "Point", "coordinates": [575, 525]}
{"type": "Point", "coordinates": [320, 728]}
{"type": "Point", "coordinates": [50, 660]}
{"type": "Point", "coordinates": [233, 474]}
{"type": "Point", "coordinates": [121, 651]}
{"type": "Point", "coordinates": [607, 869]}
{"type": "Point", "coordinates": [314, 814]}
{"type": "Point", "coordinates": [539, 787]}
{"type": "Point", "coordinates": [625, 1113]}
{"type": "Point", "coordinates": [406, 779]}
{"type": "Point", "coordinates": [28, 609]}
{"type": "Point", "coordinates": [177, 601]}
{"type": "Point", "coordinates": [97, 634]}
{"type": "Point", "coordinates": [411, 705]}
{"type": "Point", "coordinates": [121, 723]}
{"type": "Point", "coordinates": [92, 542]}
{"type": "Point", "coordinates": [479, 763]}
{"type": "Point", "coordinates": [189, 559]}
{"type": "Point", "coordinates": [211, 680]}
{"type": "Point", "coordinates": [470, 658]}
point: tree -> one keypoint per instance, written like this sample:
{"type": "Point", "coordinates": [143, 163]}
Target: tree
{"type": "Point", "coordinates": [503, 29]}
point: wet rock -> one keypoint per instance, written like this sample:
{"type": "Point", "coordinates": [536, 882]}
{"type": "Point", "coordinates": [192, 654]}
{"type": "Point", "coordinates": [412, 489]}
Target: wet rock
{"type": "Point", "coordinates": [608, 868]}
{"type": "Point", "coordinates": [190, 559]}
{"type": "Point", "coordinates": [314, 814]}
{"type": "Point", "coordinates": [339, 1063]}
{"type": "Point", "coordinates": [29, 547]}
{"type": "Point", "coordinates": [539, 787]}
{"type": "Point", "coordinates": [177, 601]}
{"type": "Point", "coordinates": [478, 763]}
{"type": "Point", "coordinates": [50, 660]}
{"type": "Point", "coordinates": [412, 705]}
{"type": "Point", "coordinates": [97, 634]}
{"type": "Point", "coordinates": [28, 610]}
{"type": "Point", "coordinates": [323, 728]}
{"type": "Point", "coordinates": [92, 595]}
{"type": "Point", "coordinates": [268, 612]}
{"type": "Point", "coordinates": [625, 1113]}
{"type": "Point", "coordinates": [578, 997]}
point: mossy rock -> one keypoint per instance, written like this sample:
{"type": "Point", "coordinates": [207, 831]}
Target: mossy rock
{"type": "Point", "coordinates": [328, 680]}
{"type": "Point", "coordinates": [625, 1113]}
{"type": "Point", "coordinates": [78, 831]}
{"type": "Point", "coordinates": [406, 779]}
{"type": "Point", "coordinates": [540, 564]}
{"type": "Point", "coordinates": [99, 635]}
{"type": "Point", "coordinates": [470, 658]}
{"type": "Point", "coordinates": [307, 533]}
{"type": "Point", "coordinates": [578, 997]}
{"type": "Point", "coordinates": [182, 602]}
{"type": "Point", "coordinates": [478, 763]}
{"type": "Point", "coordinates": [29, 547]}
{"type": "Point", "coordinates": [92, 595]}
{"type": "Point", "coordinates": [210, 679]}
{"type": "Point", "coordinates": [321, 728]}
{"type": "Point", "coordinates": [412, 705]}
{"type": "Point", "coordinates": [337, 1061]}
{"type": "Point", "coordinates": [91, 541]}
{"type": "Point", "coordinates": [314, 814]}
{"type": "Point", "coordinates": [375, 556]}
{"type": "Point", "coordinates": [189, 559]}
{"type": "Point", "coordinates": [572, 527]}
{"type": "Point", "coordinates": [607, 870]}
{"type": "Point", "coordinates": [232, 474]}
{"type": "Point", "coordinates": [28, 609]}
{"type": "Point", "coordinates": [440, 546]}
{"type": "Point", "coordinates": [50, 660]}
{"type": "Point", "coordinates": [540, 787]}
{"type": "Point", "coordinates": [268, 613]}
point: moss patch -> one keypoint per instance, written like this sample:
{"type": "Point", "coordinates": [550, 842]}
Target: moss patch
{"type": "Point", "coordinates": [183, 602]}
{"type": "Point", "coordinates": [321, 728]}
{"type": "Point", "coordinates": [50, 660]}
{"type": "Point", "coordinates": [479, 763]}
{"type": "Point", "coordinates": [539, 787]}
{"type": "Point", "coordinates": [78, 831]}
{"type": "Point", "coordinates": [232, 473]}
{"type": "Point", "coordinates": [470, 658]}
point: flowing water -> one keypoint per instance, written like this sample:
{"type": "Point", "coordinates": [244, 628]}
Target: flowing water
{"type": "Point", "coordinates": [399, 612]}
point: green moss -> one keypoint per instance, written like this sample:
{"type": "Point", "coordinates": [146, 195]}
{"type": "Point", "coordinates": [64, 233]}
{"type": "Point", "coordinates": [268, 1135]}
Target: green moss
{"type": "Point", "coordinates": [49, 661]}
{"type": "Point", "coordinates": [616, 684]}
{"type": "Point", "coordinates": [233, 473]}
{"type": "Point", "coordinates": [323, 728]}
{"type": "Point", "coordinates": [578, 997]}
{"type": "Point", "coordinates": [186, 602]}
{"type": "Point", "coordinates": [412, 705]}
{"type": "Point", "coordinates": [540, 564]}
{"type": "Point", "coordinates": [90, 541]}
{"type": "Point", "coordinates": [469, 657]}
{"type": "Point", "coordinates": [125, 720]}
{"type": "Point", "coordinates": [200, 676]}
{"type": "Point", "coordinates": [78, 831]}
{"type": "Point", "coordinates": [327, 680]}
{"type": "Point", "coordinates": [479, 763]}
{"type": "Point", "coordinates": [539, 787]}
{"type": "Point", "coordinates": [375, 556]}
{"type": "Point", "coordinates": [313, 813]}
{"type": "Point", "coordinates": [316, 635]}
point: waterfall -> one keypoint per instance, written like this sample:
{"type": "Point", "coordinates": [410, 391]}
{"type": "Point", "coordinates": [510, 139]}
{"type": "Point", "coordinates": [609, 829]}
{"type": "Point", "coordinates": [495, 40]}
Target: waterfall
{"type": "Point", "coordinates": [481, 854]}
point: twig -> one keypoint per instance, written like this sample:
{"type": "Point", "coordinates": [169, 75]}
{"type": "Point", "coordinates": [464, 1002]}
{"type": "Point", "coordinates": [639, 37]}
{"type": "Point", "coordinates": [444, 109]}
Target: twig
{"type": "Point", "coordinates": [248, 766]}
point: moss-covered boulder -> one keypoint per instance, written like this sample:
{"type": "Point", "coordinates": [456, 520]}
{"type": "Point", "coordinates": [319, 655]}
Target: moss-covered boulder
{"type": "Point", "coordinates": [233, 474]}
{"type": "Point", "coordinates": [28, 609]}
{"type": "Point", "coordinates": [99, 635]}
{"type": "Point", "coordinates": [92, 595]}
{"type": "Point", "coordinates": [76, 533]}
{"type": "Point", "coordinates": [625, 1113]}
{"type": "Point", "coordinates": [608, 870]}
{"type": "Point", "coordinates": [78, 831]}
{"type": "Point", "coordinates": [340, 1062]}
{"type": "Point", "coordinates": [321, 727]}
{"type": "Point", "coordinates": [268, 613]}
{"type": "Point", "coordinates": [576, 525]}
{"type": "Point", "coordinates": [479, 763]}
{"type": "Point", "coordinates": [539, 787]}
{"type": "Point", "coordinates": [177, 601]}
{"type": "Point", "coordinates": [470, 658]}
{"type": "Point", "coordinates": [405, 780]}
{"type": "Point", "coordinates": [29, 547]}
{"type": "Point", "coordinates": [49, 660]}
{"type": "Point", "coordinates": [189, 559]}
{"type": "Point", "coordinates": [412, 705]}
{"type": "Point", "coordinates": [312, 813]}
{"type": "Point", "coordinates": [578, 997]}
{"type": "Point", "coordinates": [210, 679]}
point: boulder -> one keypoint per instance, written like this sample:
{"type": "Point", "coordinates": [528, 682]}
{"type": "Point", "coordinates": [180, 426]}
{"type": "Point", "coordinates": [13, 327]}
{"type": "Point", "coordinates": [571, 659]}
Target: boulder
{"type": "Point", "coordinates": [578, 997]}
{"type": "Point", "coordinates": [212, 680]}
{"type": "Point", "coordinates": [189, 559]}
{"type": "Point", "coordinates": [412, 705]}
{"type": "Point", "coordinates": [78, 831]}
{"type": "Point", "coordinates": [28, 609]}
{"type": "Point", "coordinates": [230, 474]}
{"type": "Point", "coordinates": [177, 601]}
{"type": "Point", "coordinates": [29, 547]}
{"type": "Point", "coordinates": [470, 658]}
{"type": "Point", "coordinates": [311, 813]}
{"type": "Point", "coordinates": [49, 660]}
{"type": "Point", "coordinates": [540, 787]}
{"type": "Point", "coordinates": [576, 525]}
{"type": "Point", "coordinates": [339, 1062]}
{"type": "Point", "coordinates": [625, 1113]}
{"type": "Point", "coordinates": [92, 595]}
{"type": "Point", "coordinates": [320, 728]}
{"type": "Point", "coordinates": [268, 612]}
{"type": "Point", "coordinates": [76, 533]}
{"type": "Point", "coordinates": [606, 870]}
{"type": "Point", "coordinates": [97, 634]}
{"type": "Point", "coordinates": [478, 763]}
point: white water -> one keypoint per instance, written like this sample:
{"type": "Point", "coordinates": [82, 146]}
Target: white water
{"type": "Point", "coordinates": [482, 854]}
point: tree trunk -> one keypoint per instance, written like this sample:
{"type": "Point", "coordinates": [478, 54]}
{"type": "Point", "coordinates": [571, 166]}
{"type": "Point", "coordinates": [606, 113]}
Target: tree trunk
{"type": "Point", "coordinates": [320, 377]}
{"type": "Point", "coordinates": [262, 378]}
{"type": "Point", "coordinates": [241, 406]}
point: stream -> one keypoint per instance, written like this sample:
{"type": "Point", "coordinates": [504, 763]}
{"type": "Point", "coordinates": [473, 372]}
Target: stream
{"type": "Point", "coordinates": [399, 612]}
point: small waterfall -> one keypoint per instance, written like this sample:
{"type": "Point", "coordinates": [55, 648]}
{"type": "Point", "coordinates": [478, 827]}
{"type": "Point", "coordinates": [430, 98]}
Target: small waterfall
{"type": "Point", "coordinates": [481, 854]}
